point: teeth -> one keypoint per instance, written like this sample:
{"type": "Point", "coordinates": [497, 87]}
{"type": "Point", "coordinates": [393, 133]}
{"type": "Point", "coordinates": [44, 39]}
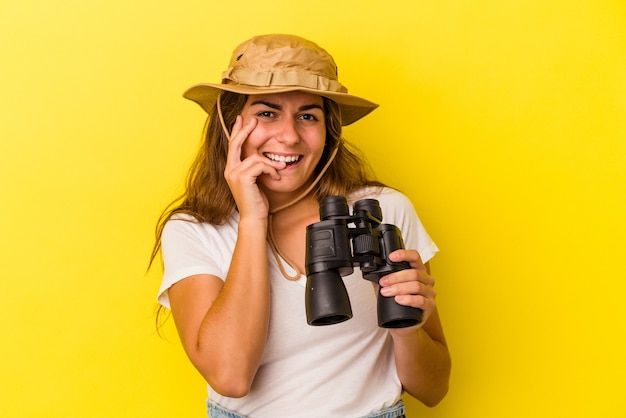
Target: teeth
{"type": "Point", "coordinates": [283, 159]}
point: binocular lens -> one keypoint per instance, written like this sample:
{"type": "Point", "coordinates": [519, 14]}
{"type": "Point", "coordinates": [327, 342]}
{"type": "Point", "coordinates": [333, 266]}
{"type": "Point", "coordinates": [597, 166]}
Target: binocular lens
{"type": "Point", "coordinates": [394, 315]}
{"type": "Point", "coordinates": [333, 206]}
{"type": "Point", "coordinates": [326, 299]}
{"type": "Point", "coordinates": [370, 206]}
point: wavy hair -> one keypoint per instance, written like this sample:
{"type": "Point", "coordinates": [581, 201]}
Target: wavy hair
{"type": "Point", "coordinates": [207, 197]}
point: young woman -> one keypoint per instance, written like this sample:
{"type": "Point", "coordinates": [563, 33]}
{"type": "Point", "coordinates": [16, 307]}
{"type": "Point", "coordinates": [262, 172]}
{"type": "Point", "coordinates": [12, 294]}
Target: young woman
{"type": "Point", "coordinates": [233, 249]}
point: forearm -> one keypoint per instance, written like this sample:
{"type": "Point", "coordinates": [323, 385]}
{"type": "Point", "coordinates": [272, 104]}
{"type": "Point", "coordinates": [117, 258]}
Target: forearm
{"type": "Point", "coordinates": [423, 364]}
{"type": "Point", "coordinates": [233, 333]}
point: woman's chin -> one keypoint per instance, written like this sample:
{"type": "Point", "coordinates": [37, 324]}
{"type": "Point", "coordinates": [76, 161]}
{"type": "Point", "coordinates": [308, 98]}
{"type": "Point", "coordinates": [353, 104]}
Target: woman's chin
{"type": "Point", "coordinates": [282, 186]}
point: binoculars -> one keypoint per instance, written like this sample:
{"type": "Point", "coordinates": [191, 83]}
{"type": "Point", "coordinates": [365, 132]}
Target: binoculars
{"type": "Point", "coordinates": [333, 250]}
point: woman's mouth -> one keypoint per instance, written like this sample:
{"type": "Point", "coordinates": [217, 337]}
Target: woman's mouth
{"type": "Point", "coordinates": [288, 159]}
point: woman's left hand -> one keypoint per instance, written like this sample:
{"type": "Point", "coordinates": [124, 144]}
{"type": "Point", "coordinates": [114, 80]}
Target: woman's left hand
{"type": "Point", "coordinates": [410, 287]}
{"type": "Point", "coordinates": [421, 353]}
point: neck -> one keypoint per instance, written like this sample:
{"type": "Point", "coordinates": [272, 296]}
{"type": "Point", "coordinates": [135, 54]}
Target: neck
{"type": "Point", "coordinates": [303, 207]}
{"type": "Point", "coordinates": [281, 201]}
{"type": "Point", "coordinates": [286, 230]}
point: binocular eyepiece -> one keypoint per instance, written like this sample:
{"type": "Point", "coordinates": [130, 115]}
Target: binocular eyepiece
{"type": "Point", "coordinates": [333, 250]}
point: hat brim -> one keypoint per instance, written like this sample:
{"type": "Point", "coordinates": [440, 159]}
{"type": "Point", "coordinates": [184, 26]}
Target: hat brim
{"type": "Point", "coordinates": [352, 107]}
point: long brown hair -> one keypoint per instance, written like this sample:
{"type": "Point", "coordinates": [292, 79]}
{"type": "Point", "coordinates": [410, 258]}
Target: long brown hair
{"type": "Point", "coordinates": [207, 197]}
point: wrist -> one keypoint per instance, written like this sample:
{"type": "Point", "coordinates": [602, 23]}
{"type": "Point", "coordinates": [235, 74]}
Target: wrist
{"type": "Point", "coordinates": [251, 227]}
{"type": "Point", "coordinates": [399, 334]}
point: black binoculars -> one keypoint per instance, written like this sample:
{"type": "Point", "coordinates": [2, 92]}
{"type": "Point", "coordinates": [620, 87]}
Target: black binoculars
{"type": "Point", "coordinates": [333, 250]}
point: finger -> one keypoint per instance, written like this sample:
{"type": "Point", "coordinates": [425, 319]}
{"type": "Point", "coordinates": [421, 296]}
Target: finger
{"type": "Point", "coordinates": [254, 166]}
{"type": "Point", "coordinates": [412, 288]}
{"type": "Point", "coordinates": [427, 305]}
{"type": "Point", "coordinates": [411, 256]}
{"type": "Point", "coordinates": [236, 126]}
{"type": "Point", "coordinates": [239, 135]}
{"type": "Point", "coordinates": [407, 275]}
{"type": "Point", "coordinates": [234, 147]}
{"type": "Point", "coordinates": [262, 166]}
{"type": "Point", "coordinates": [405, 255]}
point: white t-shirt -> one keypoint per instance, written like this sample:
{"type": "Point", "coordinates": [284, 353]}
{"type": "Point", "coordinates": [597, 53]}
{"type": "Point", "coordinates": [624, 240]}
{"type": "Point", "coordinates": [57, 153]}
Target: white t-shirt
{"type": "Point", "coordinates": [342, 370]}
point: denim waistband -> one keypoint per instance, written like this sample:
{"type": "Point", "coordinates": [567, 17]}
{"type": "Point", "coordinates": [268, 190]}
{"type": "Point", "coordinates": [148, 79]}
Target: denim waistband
{"type": "Point", "coordinates": [398, 410]}
{"type": "Point", "coordinates": [216, 411]}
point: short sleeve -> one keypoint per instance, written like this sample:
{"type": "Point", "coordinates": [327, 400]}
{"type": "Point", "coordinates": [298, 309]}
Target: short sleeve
{"type": "Point", "coordinates": [189, 248]}
{"type": "Point", "coordinates": [398, 210]}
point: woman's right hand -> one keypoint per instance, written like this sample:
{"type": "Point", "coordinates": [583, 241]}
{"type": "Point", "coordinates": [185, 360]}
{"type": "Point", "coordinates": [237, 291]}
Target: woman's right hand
{"type": "Point", "coordinates": [241, 174]}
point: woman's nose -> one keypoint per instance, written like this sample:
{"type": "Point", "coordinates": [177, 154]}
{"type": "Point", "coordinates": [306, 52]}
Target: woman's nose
{"type": "Point", "coordinates": [287, 132]}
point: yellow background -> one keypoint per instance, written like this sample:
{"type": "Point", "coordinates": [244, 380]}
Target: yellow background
{"type": "Point", "coordinates": [504, 121]}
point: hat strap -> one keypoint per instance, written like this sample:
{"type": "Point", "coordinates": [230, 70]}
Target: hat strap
{"type": "Point", "coordinates": [221, 116]}
{"type": "Point", "coordinates": [278, 254]}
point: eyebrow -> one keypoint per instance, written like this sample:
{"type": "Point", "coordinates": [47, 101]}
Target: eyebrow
{"type": "Point", "coordinates": [279, 107]}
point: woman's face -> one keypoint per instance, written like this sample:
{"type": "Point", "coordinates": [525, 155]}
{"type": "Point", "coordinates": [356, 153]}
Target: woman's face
{"type": "Point", "coordinates": [292, 128]}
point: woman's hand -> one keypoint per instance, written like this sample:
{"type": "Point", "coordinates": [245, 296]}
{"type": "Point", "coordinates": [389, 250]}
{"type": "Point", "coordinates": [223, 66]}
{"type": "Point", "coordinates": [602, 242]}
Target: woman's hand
{"type": "Point", "coordinates": [241, 174]}
{"type": "Point", "coordinates": [410, 287]}
{"type": "Point", "coordinates": [421, 352]}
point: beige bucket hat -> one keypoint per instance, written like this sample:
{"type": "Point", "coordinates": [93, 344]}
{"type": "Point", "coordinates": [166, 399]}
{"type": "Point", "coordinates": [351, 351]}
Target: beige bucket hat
{"type": "Point", "coordinates": [282, 63]}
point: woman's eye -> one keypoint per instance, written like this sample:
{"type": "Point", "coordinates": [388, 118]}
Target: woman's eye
{"type": "Point", "coordinates": [308, 116]}
{"type": "Point", "coordinates": [265, 114]}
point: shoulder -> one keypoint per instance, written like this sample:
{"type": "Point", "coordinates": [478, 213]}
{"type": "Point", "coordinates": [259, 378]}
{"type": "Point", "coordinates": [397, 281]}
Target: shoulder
{"type": "Point", "coordinates": [390, 199]}
{"type": "Point", "coordinates": [190, 247]}
{"type": "Point", "coordinates": [398, 210]}
{"type": "Point", "coordinates": [182, 226]}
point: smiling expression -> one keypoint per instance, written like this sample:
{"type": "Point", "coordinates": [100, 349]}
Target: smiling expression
{"type": "Point", "coordinates": [291, 128]}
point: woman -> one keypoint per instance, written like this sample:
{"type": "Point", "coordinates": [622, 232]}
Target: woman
{"type": "Point", "coordinates": [233, 250]}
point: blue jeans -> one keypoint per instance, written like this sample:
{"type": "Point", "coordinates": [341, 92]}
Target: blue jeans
{"type": "Point", "coordinates": [396, 411]}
